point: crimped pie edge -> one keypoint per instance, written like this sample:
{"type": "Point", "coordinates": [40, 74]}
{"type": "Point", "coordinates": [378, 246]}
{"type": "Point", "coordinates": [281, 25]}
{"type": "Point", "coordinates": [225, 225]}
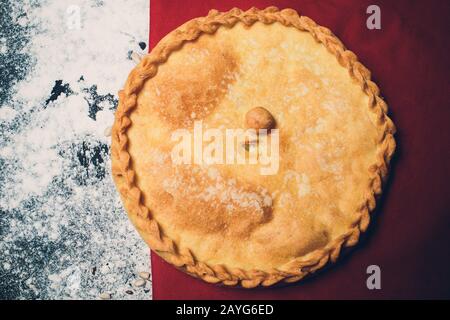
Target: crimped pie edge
{"type": "Point", "coordinates": [124, 176]}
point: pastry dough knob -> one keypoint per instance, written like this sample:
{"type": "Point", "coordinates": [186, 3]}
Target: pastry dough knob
{"type": "Point", "coordinates": [259, 118]}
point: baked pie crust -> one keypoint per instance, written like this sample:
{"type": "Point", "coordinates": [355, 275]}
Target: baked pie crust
{"type": "Point", "coordinates": [227, 223]}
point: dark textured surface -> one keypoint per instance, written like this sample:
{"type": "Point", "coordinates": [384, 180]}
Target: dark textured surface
{"type": "Point", "coordinates": [14, 64]}
{"type": "Point", "coordinates": [64, 234]}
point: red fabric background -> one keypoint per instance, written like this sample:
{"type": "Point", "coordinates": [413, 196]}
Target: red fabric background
{"type": "Point", "coordinates": [410, 234]}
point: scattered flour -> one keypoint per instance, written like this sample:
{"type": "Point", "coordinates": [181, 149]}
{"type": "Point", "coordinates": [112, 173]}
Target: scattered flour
{"type": "Point", "coordinates": [64, 233]}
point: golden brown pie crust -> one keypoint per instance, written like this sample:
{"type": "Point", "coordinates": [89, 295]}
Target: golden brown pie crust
{"type": "Point", "coordinates": [135, 199]}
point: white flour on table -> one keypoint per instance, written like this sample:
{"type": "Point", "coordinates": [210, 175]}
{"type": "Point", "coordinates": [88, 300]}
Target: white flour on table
{"type": "Point", "coordinates": [64, 233]}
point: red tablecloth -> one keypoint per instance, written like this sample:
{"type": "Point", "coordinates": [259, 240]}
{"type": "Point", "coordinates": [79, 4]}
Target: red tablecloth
{"type": "Point", "coordinates": [410, 235]}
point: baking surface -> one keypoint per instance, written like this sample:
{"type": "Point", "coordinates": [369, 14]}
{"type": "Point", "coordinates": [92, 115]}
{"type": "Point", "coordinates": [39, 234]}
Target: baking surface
{"type": "Point", "coordinates": [63, 231]}
{"type": "Point", "coordinates": [408, 238]}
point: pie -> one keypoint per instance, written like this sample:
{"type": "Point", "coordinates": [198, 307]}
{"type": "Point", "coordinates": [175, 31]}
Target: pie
{"type": "Point", "coordinates": [229, 223]}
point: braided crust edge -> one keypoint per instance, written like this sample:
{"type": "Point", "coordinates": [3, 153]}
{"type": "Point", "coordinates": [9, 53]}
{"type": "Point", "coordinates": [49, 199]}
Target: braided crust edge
{"type": "Point", "coordinates": [124, 176]}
